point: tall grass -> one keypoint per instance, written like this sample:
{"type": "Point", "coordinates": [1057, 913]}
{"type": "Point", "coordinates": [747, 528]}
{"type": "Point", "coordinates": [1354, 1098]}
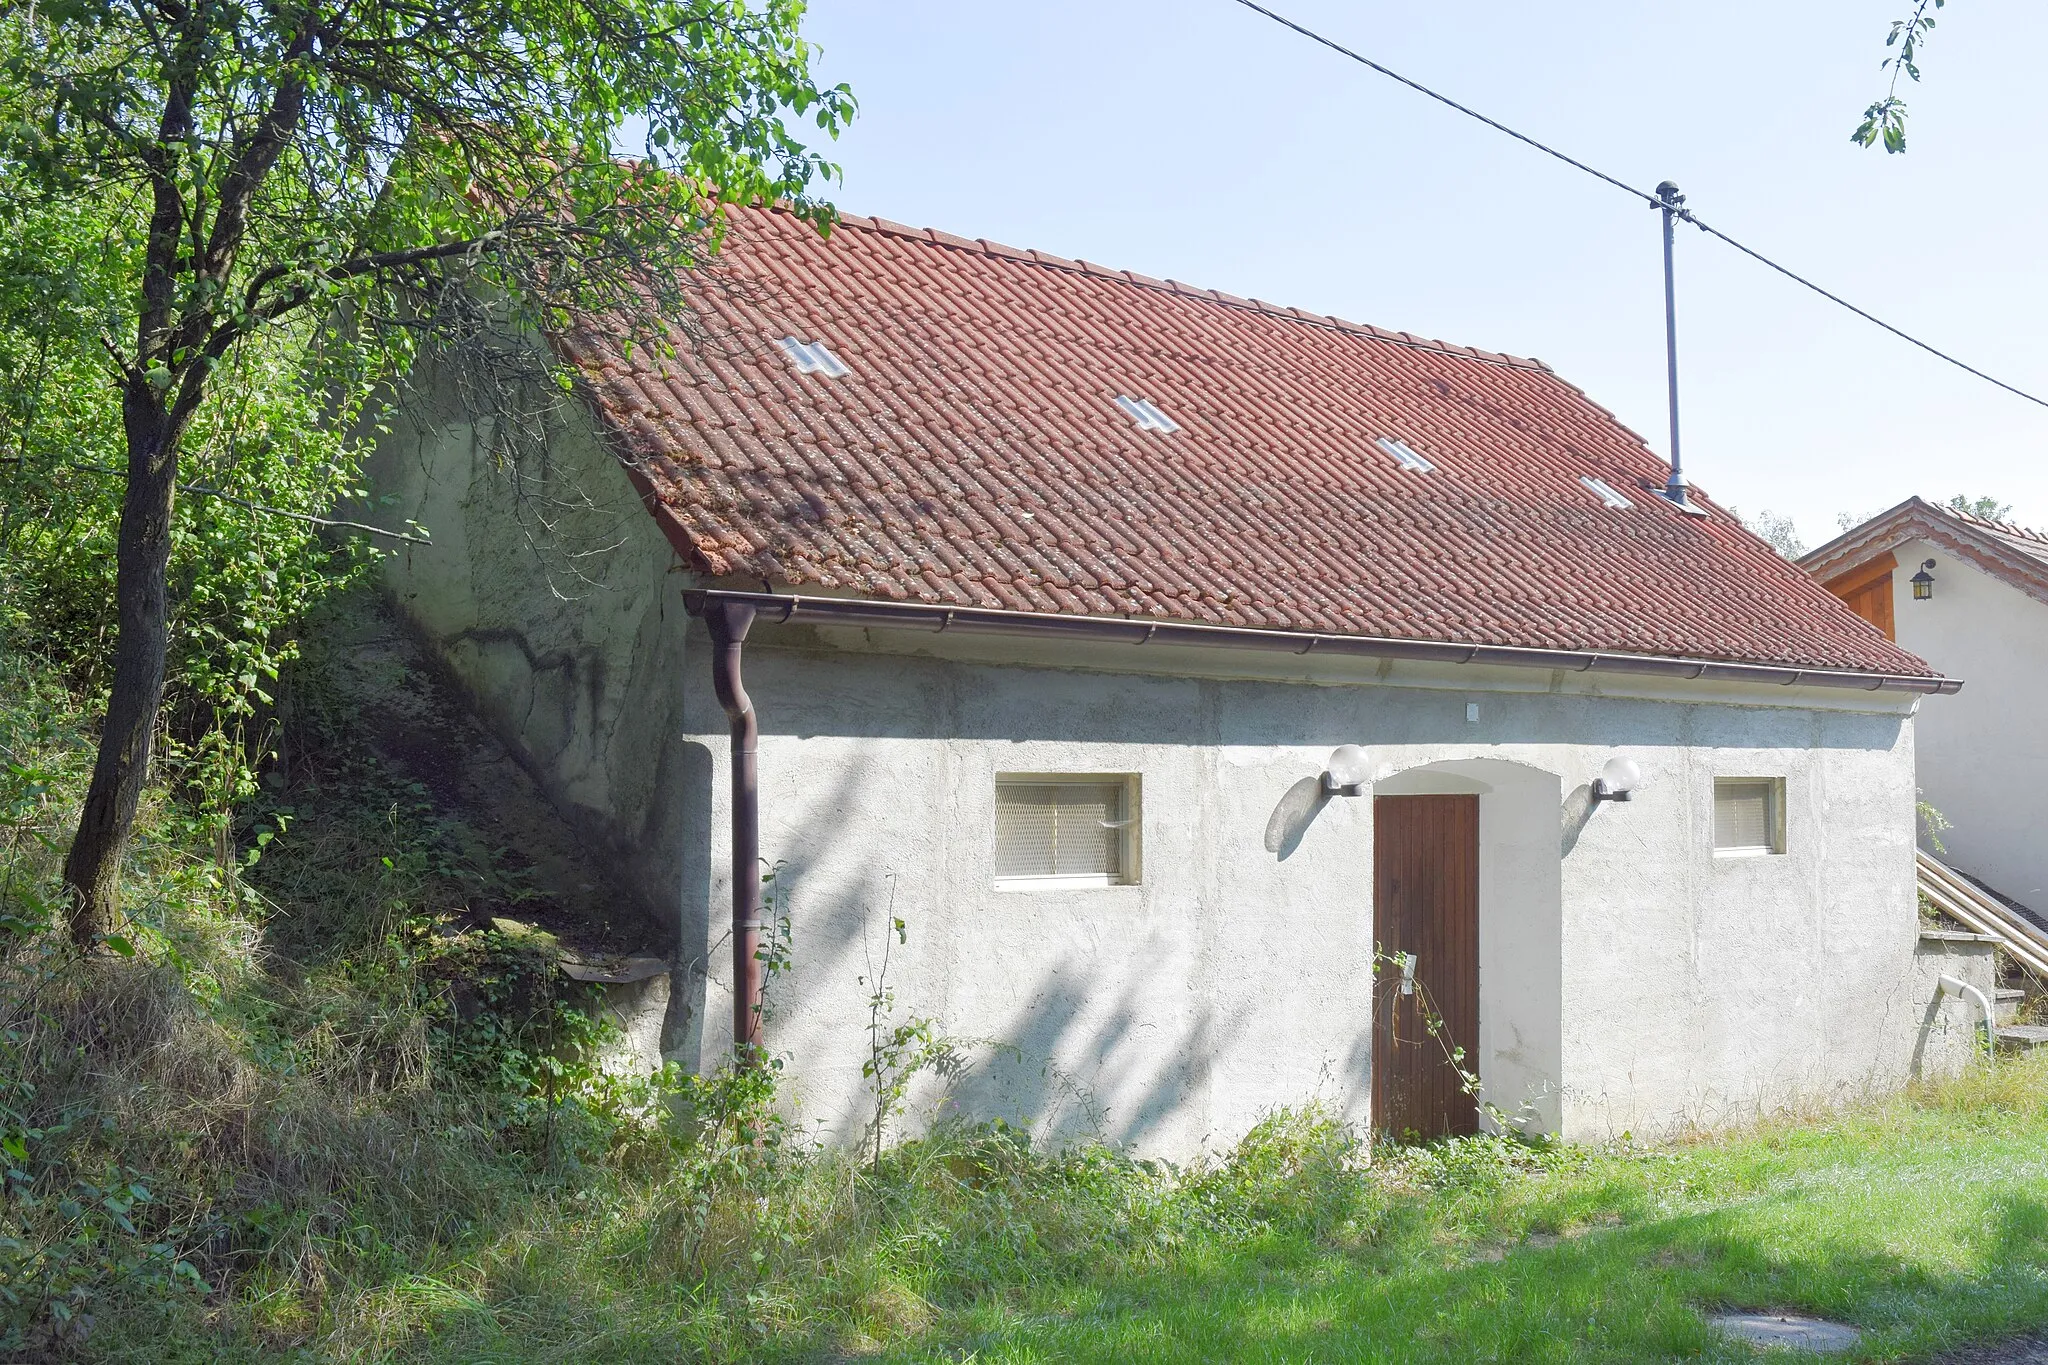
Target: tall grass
{"type": "Point", "coordinates": [313, 1117]}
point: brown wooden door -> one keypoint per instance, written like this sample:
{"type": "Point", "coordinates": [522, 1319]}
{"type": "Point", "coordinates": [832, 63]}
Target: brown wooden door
{"type": "Point", "coordinates": [1425, 902]}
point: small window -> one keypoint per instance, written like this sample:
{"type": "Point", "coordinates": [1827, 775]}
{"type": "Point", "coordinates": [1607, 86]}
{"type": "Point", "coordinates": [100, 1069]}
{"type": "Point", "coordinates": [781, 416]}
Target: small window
{"type": "Point", "coordinates": [1066, 830]}
{"type": "Point", "coordinates": [1749, 815]}
{"type": "Point", "coordinates": [1605, 492]}
{"type": "Point", "coordinates": [814, 357]}
{"type": "Point", "coordinates": [1408, 457]}
{"type": "Point", "coordinates": [1147, 416]}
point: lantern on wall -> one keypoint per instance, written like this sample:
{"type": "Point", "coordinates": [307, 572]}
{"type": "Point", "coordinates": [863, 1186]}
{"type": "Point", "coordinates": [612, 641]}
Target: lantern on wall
{"type": "Point", "coordinates": [1923, 583]}
{"type": "Point", "coordinates": [1346, 772]}
{"type": "Point", "coordinates": [1618, 781]}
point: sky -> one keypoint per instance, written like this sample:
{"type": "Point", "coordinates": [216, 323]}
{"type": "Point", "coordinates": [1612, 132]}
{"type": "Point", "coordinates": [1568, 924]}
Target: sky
{"type": "Point", "coordinates": [1199, 141]}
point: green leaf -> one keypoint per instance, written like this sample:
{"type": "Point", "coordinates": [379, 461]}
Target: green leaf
{"type": "Point", "coordinates": [119, 944]}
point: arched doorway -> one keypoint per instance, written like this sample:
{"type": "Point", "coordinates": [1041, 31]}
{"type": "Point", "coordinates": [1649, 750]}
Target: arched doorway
{"type": "Point", "coordinates": [1468, 917]}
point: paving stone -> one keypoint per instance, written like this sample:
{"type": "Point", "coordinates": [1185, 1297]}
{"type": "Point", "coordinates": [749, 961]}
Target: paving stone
{"type": "Point", "coordinates": [1785, 1329]}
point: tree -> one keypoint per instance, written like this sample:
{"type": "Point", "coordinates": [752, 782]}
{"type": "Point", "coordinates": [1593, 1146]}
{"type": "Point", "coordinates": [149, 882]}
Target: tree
{"type": "Point", "coordinates": [1885, 120]}
{"type": "Point", "coordinates": [384, 174]}
{"type": "Point", "coordinates": [1985, 508]}
{"type": "Point", "coordinates": [1775, 529]}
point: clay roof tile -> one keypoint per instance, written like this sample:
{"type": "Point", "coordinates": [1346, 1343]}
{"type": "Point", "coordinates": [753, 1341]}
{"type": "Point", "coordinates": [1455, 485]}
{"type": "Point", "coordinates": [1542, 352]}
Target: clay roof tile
{"type": "Point", "coordinates": [981, 390]}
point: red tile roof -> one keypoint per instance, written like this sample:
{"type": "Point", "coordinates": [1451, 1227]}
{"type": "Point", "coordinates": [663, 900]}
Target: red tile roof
{"type": "Point", "coordinates": [975, 455]}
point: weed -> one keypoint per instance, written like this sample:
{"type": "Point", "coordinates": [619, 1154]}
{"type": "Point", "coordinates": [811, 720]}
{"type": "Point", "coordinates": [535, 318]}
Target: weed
{"type": "Point", "coordinates": [327, 1105]}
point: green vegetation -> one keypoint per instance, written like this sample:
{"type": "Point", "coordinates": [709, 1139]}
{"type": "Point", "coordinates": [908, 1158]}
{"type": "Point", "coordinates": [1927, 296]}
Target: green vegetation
{"type": "Point", "coordinates": [313, 1115]}
{"type": "Point", "coordinates": [282, 1088]}
{"type": "Point", "coordinates": [227, 208]}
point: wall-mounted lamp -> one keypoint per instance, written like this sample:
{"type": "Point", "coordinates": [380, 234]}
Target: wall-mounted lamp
{"type": "Point", "coordinates": [1617, 781]}
{"type": "Point", "coordinates": [1346, 772]}
{"type": "Point", "coordinates": [1923, 583]}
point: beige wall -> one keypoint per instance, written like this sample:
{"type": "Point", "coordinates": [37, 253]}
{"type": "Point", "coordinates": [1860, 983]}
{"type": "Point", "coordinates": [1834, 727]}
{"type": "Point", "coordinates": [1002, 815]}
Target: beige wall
{"type": "Point", "coordinates": [1984, 750]}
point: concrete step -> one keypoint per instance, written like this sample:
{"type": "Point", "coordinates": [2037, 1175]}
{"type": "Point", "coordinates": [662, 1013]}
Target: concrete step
{"type": "Point", "coordinates": [2020, 1037]}
{"type": "Point", "coordinates": [2006, 1000]}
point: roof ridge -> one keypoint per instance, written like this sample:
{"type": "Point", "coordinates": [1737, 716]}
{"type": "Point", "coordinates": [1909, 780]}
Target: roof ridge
{"type": "Point", "coordinates": [2005, 528]}
{"type": "Point", "coordinates": [984, 247]}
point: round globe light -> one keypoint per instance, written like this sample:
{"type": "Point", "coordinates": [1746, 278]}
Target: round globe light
{"type": "Point", "coordinates": [1348, 766]}
{"type": "Point", "coordinates": [1621, 775]}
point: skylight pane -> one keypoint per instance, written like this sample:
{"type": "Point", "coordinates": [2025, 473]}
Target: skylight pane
{"type": "Point", "coordinates": [1146, 415]}
{"type": "Point", "coordinates": [813, 357]}
{"type": "Point", "coordinates": [799, 353]}
{"type": "Point", "coordinates": [1605, 492]}
{"type": "Point", "coordinates": [829, 365]}
{"type": "Point", "coordinates": [1406, 455]}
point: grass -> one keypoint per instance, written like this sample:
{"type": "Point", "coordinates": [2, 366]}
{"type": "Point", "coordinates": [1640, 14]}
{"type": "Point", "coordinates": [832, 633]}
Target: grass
{"type": "Point", "coordinates": [267, 1136]}
{"type": "Point", "coordinates": [1919, 1220]}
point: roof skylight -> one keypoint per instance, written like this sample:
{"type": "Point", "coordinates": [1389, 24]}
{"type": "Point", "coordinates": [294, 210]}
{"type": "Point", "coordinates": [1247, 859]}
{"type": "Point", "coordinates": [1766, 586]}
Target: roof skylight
{"type": "Point", "coordinates": [814, 357]}
{"type": "Point", "coordinates": [1406, 454]}
{"type": "Point", "coordinates": [1148, 417]}
{"type": "Point", "coordinates": [1605, 492]}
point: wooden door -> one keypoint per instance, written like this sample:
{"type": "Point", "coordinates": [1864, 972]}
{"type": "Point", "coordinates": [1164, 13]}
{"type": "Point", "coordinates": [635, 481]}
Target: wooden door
{"type": "Point", "coordinates": [1425, 902]}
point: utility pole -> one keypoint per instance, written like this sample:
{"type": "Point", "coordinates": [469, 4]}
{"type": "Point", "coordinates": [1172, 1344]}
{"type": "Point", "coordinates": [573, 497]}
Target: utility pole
{"type": "Point", "coordinates": [1670, 201]}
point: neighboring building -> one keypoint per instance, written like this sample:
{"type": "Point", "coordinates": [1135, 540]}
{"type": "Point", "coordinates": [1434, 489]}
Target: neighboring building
{"type": "Point", "coordinates": [1064, 584]}
{"type": "Point", "coordinates": [1982, 755]}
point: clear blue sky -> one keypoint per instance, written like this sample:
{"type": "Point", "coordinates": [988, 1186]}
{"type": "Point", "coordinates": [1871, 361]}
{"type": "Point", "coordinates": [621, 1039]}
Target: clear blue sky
{"type": "Point", "coordinates": [1197, 140]}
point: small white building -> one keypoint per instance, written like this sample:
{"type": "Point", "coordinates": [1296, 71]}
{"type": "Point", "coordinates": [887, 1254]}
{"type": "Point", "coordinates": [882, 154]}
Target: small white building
{"type": "Point", "coordinates": [1971, 596]}
{"type": "Point", "coordinates": [1051, 592]}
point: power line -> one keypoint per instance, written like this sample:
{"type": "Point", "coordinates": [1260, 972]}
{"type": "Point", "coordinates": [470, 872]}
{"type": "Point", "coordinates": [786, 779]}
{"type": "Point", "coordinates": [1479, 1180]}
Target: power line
{"type": "Point", "coordinates": [1648, 198]}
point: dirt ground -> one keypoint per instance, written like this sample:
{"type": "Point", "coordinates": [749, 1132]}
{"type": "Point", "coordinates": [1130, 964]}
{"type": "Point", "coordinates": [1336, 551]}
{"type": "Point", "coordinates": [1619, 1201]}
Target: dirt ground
{"type": "Point", "coordinates": [2013, 1351]}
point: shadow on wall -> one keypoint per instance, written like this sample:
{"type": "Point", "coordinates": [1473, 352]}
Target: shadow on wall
{"type": "Point", "coordinates": [1301, 803]}
{"type": "Point", "coordinates": [802, 686]}
{"type": "Point", "coordinates": [1018, 1075]}
{"type": "Point", "coordinates": [686, 796]}
{"type": "Point", "coordinates": [1290, 821]}
{"type": "Point", "coordinates": [826, 919]}
{"type": "Point", "coordinates": [1087, 1050]}
{"type": "Point", "coordinates": [1573, 815]}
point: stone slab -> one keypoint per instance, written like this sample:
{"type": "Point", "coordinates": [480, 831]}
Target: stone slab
{"type": "Point", "coordinates": [1788, 1330]}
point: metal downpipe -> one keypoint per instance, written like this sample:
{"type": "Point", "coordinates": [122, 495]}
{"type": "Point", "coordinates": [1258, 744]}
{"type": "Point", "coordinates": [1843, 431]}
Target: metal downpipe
{"type": "Point", "coordinates": [729, 622]}
{"type": "Point", "coordinates": [1958, 987]}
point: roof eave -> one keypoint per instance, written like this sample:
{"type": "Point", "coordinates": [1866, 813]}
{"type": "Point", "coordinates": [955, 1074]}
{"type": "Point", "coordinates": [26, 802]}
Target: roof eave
{"type": "Point", "coordinates": [1916, 519]}
{"type": "Point", "coordinates": [793, 607]}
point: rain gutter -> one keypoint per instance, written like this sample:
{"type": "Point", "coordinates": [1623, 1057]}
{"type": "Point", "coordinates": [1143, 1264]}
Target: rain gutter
{"type": "Point", "coordinates": [790, 608]}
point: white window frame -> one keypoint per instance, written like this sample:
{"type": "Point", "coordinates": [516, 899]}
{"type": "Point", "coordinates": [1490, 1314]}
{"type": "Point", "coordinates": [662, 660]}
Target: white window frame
{"type": "Point", "coordinates": [1774, 818]}
{"type": "Point", "coordinates": [1129, 856]}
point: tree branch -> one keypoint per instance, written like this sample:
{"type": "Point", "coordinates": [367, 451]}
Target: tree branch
{"type": "Point", "coordinates": [353, 269]}
{"type": "Point", "coordinates": [307, 517]}
{"type": "Point", "coordinates": [302, 516]}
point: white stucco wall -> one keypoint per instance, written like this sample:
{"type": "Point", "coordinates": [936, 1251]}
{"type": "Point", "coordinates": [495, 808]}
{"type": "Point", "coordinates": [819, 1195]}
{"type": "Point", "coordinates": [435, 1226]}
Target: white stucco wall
{"type": "Point", "coordinates": [1983, 752]}
{"type": "Point", "coordinates": [1630, 981]}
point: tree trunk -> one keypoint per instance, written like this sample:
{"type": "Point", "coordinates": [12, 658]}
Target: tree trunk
{"type": "Point", "coordinates": [141, 564]}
